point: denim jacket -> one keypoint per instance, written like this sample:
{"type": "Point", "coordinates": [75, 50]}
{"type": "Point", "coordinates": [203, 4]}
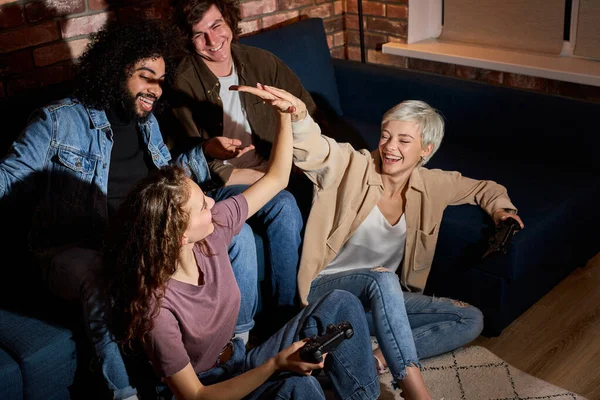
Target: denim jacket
{"type": "Point", "coordinates": [63, 157]}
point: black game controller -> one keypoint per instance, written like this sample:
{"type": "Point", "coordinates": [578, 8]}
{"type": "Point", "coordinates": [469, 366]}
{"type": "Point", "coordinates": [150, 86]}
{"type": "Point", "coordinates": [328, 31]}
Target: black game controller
{"type": "Point", "coordinates": [499, 242]}
{"type": "Point", "coordinates": [316, 346]}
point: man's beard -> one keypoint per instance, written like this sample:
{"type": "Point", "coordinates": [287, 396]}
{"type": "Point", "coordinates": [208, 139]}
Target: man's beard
{"type": "Point", "coordinates": [129, 106]}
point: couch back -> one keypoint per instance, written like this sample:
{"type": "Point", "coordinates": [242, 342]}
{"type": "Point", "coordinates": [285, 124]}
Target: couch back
{"type": "Point", "coordinates": [303, 47]}
{"type": "Point", "coordinates": [542, 127]}
{"type": "Point", "coordinates": [519, 124]}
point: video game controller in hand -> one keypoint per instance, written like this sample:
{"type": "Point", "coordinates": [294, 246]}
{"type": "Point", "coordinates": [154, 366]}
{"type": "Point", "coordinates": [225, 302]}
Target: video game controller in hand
{"type": "Point", "coordinates": [499, 242]}
{"type": "Point", "coordinates": [316, 346]}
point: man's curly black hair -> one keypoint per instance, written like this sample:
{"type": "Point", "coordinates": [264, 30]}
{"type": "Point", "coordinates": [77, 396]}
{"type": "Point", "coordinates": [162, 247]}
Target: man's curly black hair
{"type": "Point", "coordinates": [112, 53]}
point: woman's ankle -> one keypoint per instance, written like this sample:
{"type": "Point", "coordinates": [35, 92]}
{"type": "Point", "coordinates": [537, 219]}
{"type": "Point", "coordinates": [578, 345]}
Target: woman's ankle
{"type": "Point", "coordinates": [413, 386]}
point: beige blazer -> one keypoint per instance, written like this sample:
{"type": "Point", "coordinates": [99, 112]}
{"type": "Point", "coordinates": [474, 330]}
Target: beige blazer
{"type": "Point", "coordinates": [347, 185]}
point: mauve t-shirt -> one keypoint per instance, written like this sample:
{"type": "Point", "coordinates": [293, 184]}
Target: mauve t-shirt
{"type": "Point", "coordinates": [195, 322]}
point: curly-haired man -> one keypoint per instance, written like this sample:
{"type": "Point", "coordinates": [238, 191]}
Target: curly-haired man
{"type": "Point", "coordinates": [86, 152]}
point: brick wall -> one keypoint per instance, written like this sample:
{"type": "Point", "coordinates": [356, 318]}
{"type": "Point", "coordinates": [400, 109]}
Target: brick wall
{"type": "Point", "coordinates": [40, 39]}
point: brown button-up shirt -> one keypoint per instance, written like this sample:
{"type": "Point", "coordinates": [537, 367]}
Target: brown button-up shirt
{"type": "Point", "coordinates": [196, 110]}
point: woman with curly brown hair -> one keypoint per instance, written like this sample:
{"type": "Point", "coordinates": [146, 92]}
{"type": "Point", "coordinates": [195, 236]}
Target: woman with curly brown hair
{"type": "Point", "coordinates": [175, 294]}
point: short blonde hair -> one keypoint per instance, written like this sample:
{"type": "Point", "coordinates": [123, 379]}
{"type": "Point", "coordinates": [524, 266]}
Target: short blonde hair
{"type": "Point", "coordinates": [426, 117]}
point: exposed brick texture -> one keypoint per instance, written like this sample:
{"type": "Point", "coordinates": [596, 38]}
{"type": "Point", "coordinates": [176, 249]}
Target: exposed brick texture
{"type": "Point", "coordinates": [488, 76]}
{"type": "Point", "coordinates": [29, 36]}
{"type": "Point", "coordinates": [377, 57]}
{"type": "Point", "coordinates": [338, 52]}
{"type": "Point", "coordinates": [60, 51]}
{"type": "Point", "coordinates": [53, 8]}
{"type": "Point", "coordinates": [258, 7]}
{"type": "Point", "coordinates": [82, 25]}
{"type": "Point", "coordinates": [372, 41]}
{"type": "Point", "coordinates": [321, 11]}
{"type": "Point", "coordinates": [368, 8]}
{"type": "Point", "coordinates": [396, 11]}
{"type": "Point", "coordinates": [353, 53]}
{"type": "Point", "coordinates": [338, 7]}
{"type": "Point", "coordinates": [388, 26]}
{"type": "Point", "coordinates": [339, 39]}
{"type": "Point", "coordinates": [431, 66]}
{"type": "Point", "coordinates": [280, 19]}
{"type": "Point", "coordinates": [97, 4]}
{"type": "Point", "coordinates": [352, 21]}
{"type": "Point", "coordinates": [16, 63]}
{"type": "Point", "coordinates": [334, 24]}
{"type": "Point", "coordinates": [11, 16]}
{"type": "Point", "coordinates": [250, 26]}
{"type": "Point", "coordinates": [294, 4]}
{"type": "Point", "coordinates": [39, 38]}
{"type": "Point", "coordinates": [525, 82]}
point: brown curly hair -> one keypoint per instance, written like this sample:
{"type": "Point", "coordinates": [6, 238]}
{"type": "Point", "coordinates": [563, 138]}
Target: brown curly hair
{"type": "Point", "coordinates": [142, 248]}
{"type": "Point", "coordinates": [188, 13]}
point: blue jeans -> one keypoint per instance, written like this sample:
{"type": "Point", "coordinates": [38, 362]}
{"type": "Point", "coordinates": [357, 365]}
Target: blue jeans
{"type": "Point", "coordinates": [280, 220]}
{"type": "Point", "coordinates": [408, 326]}
{"type": "Point", "coordinates": [75, 275]}
{"type": "Point", "coordinates": [350, 367]}
{"type": "Point", "coordinates": [242, 253]}
{"type": "Point", "coordinates": [439, 324]}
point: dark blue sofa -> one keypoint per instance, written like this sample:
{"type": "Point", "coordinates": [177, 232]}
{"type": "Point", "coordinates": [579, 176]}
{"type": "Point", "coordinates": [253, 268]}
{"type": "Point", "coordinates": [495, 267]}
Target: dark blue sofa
{"type": "Point", "coordinates": [541, 147]}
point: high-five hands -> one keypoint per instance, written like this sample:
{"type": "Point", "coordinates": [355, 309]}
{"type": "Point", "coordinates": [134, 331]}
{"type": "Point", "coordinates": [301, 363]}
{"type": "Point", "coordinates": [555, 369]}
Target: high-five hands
{"type": "Point", "coordinates": [283, 101]}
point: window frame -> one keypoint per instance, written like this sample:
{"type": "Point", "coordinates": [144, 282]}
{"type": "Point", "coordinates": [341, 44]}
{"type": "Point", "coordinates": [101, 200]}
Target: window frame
{"type": "Point", "coordinates": [425, 26]}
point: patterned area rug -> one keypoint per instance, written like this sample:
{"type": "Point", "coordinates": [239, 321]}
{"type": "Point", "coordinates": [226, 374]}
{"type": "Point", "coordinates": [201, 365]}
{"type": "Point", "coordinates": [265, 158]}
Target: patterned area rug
{"type": "Point", "coordinates": [475, 373]}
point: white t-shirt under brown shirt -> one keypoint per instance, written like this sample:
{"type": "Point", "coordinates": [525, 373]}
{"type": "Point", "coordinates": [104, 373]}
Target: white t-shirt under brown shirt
{"type": "Point", "coordinates": [376, 243]}
{"type": "Point", "coordinates": [196, 321]}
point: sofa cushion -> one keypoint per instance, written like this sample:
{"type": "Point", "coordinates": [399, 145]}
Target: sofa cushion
{"type": "Point", "coordinates": [303, 47]}
{"type": "Point", "coordinates": [11, 383]}
{"type": "Point", "coordinates": [45, 353]}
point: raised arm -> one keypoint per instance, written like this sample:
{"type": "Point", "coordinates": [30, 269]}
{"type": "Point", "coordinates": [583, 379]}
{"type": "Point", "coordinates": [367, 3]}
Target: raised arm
{"type": "Point", "coordinates": [280, 162]}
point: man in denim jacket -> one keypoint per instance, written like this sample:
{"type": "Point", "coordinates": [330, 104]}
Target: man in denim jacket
{"type": "Point", "coordinates": [82, 155]}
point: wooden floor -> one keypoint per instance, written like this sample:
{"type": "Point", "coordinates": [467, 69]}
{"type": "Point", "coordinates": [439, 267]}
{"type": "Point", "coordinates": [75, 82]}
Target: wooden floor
{"type": "Point", "coordinates": [558, 339]}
